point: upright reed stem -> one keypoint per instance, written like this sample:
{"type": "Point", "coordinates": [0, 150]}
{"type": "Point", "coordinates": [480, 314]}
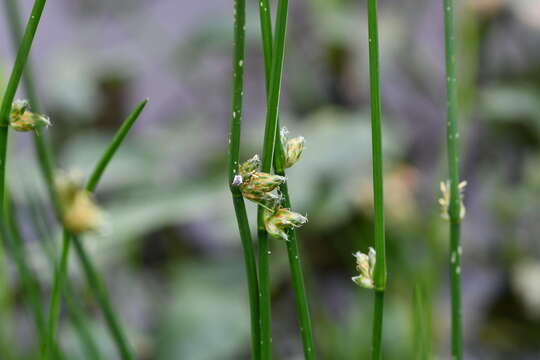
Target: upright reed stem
{"type": "Point", "coordinates": [234, 159]}
{"type": "Point", "coordinates": [44, 154]}
{"type": "Point", "coordinates": [378, 191]}
{"type": "Point", "coordinates": [270, 132]}
{"type": "Point", "coordinates": [292, 244]}
{"type": "Point", "coordinates": [93, 280]}
{"type": "Point", "coordinates": [11, 89]}
{"type": "Point", "coordinates": [454, 210]}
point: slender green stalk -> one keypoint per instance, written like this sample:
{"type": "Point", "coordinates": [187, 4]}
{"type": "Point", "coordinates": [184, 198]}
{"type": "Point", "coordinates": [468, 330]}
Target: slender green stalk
{"type": "Point", "coordinates": [58, 283]}
{"type": "Point", "coordinates": [292, 244]}
{"type": "Point", "coordinates": [45, 157]}
{"type": "Point", "coordinates": [234, 159]}
{"type": "Point", "coordinates": [419, 336]}
{"type": "Point", "coordinates": [453, 167]}
{"type": "Point", "coordinates": [113, 146]}
{"type": "Point", "coordinates": [91, 274]}
{"type": "Point", "coordinates": [378, 191]}
{"type": "Point", "coordinates": [11, 89]}
{"type": "Point", "coordinates": [267, 157]}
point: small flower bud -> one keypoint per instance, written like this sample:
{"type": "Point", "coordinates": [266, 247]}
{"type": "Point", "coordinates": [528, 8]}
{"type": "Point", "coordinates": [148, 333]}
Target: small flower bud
{"type": "Point", "coordinates": [250, 166]}
{"type": "Point", "coordinates": [444, 201]}
{"type": "Point", "coordinates": [277, 223]}
{"type": "Point", "coordinates": [83, 214]}
{"type": "Point", "coordinates": [260, 182]}
{"type": "Point", "coordinates": [79, 211]}
{"type": "Point", "coordinates": [22, 119]}
{"type": "Point", "coordinates": [365, 264]}
{"type": "Point", "coordinates": [292, 148]}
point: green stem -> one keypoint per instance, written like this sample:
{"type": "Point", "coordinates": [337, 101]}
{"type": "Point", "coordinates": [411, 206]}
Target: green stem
{"type": "Point", "coordinates": [58, 284]}
{"type": "Point", "coordinates": [234, 159]}
{"type": "Point", "coordinates": [107, 156]}
{"type": "Point", "coordinates": [270, 132]}
{"type": "Point", "coordinates": [378, 312]}
{"type": "Point", "coordinates": [378, 191]}
{"type": "Point", "coordinates": [88, 267]}
{"type": "Point", "coordinates": [292, 245]}
{"type": "Point", "coordinates": [453, 167]}
{"type": "Point", "coordinates": [45, 157]}
{"type": "Point", "coordinates": [11, 89]}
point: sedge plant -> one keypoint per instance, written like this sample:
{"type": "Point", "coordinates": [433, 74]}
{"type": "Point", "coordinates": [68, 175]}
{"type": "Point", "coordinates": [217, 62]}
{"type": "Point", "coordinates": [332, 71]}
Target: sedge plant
{"type": "Point", "coordinates": [452, 197]}
{"type": "Point", "coordinates": [279, 168]}
{"type": "Point", "coordinates": [234, 172]}
{"type": "Point", "coordinates": [372, 266]}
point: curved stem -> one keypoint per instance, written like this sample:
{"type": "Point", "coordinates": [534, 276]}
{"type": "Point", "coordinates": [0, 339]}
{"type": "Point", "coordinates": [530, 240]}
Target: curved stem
{"type": "Point", "coordinates": [234, 159]}
{"type": "Point", "coordinates": [453, 167]}
{"type": "Point", "coordinates": [11, 89]}
{"type": "Point", "coordinates": [378, 190]}
{"type": "Point", "coordinates": [113, 146]}
{"type": "Point", "coordinates": [45, 157]}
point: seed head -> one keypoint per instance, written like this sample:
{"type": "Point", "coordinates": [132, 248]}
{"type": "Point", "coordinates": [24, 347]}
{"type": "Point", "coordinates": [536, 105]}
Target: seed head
{"type": "Point", "coordinates": [365, 264]}
{"type": "Point", "coordinates": [250, 166]}
{"type": "Point", "coordinates": [259, 183]}
{"type": "Point", "coordinates": [22, 119]}
{"type": "Point", "coordinates": [444, 201]}
{"type": "Point", "coordinates": [277, 223]}
{"type": "Point", "coordinates": [79, 211]}
{"type": "Point", "coordinates": [292, 148]}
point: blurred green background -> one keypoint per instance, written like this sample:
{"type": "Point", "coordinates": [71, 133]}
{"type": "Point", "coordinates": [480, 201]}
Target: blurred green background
{"type": "Point", "coordinates": [171, 253]}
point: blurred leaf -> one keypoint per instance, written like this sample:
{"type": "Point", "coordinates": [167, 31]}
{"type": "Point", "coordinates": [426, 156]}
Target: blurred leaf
{"type": "Point", "coordinates": [207, 317]}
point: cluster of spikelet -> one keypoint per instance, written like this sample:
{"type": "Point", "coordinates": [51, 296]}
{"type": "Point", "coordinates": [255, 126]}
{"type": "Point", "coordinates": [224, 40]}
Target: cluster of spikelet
{"type": "Point", "coordinates": [365, 264]}
{"type": "Point", "coordinates": [444, 201]}
{"type": "Point", "coordinates": [259, 187]}
{"type": "Point", "coordinates": [22, 119]}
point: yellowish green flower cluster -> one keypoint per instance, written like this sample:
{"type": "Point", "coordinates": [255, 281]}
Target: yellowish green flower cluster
{"type": "Point", "coordinates": [278, 222]}
{"type": "Point", "coordinates": [79, 211]}
{"type": "Point", "coordinates": [259, 187]}
{"type": "Point", "coordinates": [365, 264]}
{"type": "Point", "coordinates": [444, 201]}
{"type": "Point", "coordinates": [292, 148]}
{"type": "Point", "coordinates": [22, 119]}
